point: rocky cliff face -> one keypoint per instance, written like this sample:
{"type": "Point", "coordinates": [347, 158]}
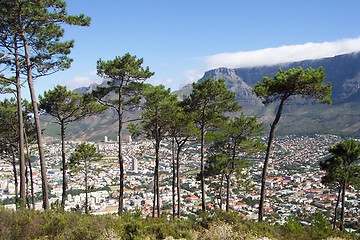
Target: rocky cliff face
{"type": "Point", "coordinates": [342, 71]}
{"type": "Point", "coordinates": [236, 84]}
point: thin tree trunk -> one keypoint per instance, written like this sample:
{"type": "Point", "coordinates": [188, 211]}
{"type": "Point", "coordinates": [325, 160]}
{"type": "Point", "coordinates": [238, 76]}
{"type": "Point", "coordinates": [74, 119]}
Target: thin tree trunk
{"type": "Point", "coordinates": [44, 181]}
{"type": "Point", "coordinates": [21, 130]}
{"type": "Point", "coordinates": [64, 167]}
{"type": "Point", "coordinates": [336, 208]}
{"type": "Point", "coordinates": [202, 168]}
{"type": "Point", "coordinates": [228, 176]}
{"type": "Point", "coordinates": [120, 156]}
{"type": "Point", "coordinates": [154, 197]}
{"type": "Point", "coordinates": [342, 206]}
{"type": "Point", "coordinates": [266, 161]}
{"type": "Point", "coordinates": [13, 163]}
{"type": "Point", "coordinates": [221, 191]}
{"type": "Point", "coordinates": [156, 200]}
{"type": "Point", "coordinates": [179, 148]}
{"type": "Point", "coordinates": [157, 178]}
{"type": "Point", "coordinates": [173, 176]}
{"type": "Point", "coordinates": [227, 192]}
{"type": "Point", "coordinates": [86, 193]}
{"type": "Point", "coordinates": [30, 171]}
{"type": "Point", "coordinates": [27, 202]}
{"type": "Point", "coordinates": [121, 164]}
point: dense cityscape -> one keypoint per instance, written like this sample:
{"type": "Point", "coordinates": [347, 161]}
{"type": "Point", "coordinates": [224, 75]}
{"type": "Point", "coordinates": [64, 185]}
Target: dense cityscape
{"type": "Point", "coordinates": [293, 183]}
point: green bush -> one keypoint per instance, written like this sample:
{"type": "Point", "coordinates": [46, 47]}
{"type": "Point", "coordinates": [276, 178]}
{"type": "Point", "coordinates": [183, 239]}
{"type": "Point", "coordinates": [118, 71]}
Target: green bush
{"type": "Point", "coordinates": [320, 229]}
{"type": "Point", "coordinates": [293, 229]}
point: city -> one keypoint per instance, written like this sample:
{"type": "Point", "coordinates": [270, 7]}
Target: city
{"type": "Point", "coordinates": [293, 180]}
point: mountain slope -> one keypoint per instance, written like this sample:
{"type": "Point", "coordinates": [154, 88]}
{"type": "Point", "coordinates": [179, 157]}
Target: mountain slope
{"type": "Point", "coordinates": [299, 116]}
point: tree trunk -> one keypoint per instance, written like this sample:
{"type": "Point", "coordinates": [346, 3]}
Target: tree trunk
{"type": "Point", "coordinates": [21, 130]}
{"type": "Point", "coordinates": [156, 200]}
{"type": "Point", "coordinates": [157, 177]}
{"type": "Point", "coordinates": [336, 208]}
{"type": "Point", "coordinates": [179, 147]}
{"type": "Point", "coordinates": [44, 181]}
{"type": "Point", "coordinates": [202, 168]}
{"type": "Point", "coordinates": [13, 163]}
{"type": "Point", "coordinates": [342, 206]}
{"type": "Point", "coordinates": [64, 167]}
{"type": "Point", "coordinates": [86, 195]}
{"type": "Point", "coordinates": [27, 202]}
{"type": "Point", "coordinates": [221, 191]}
{"type": "Point", "coordinates": [120, 155]}
{"type": "Point", "coordinates": [154, 196]}
{"type": "Point", "coordinates": [227, 192]}
{"type": "Point", "coordinates": [30, 171]}
{"type": "Point", "coordinates": [173, 176]}
{"type": "Point", "coordinates": [266, 161]}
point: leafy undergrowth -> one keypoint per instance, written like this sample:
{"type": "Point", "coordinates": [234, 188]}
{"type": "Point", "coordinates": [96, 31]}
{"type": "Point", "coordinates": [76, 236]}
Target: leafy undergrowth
{"type": "Point", "coordinates": [27, 224]}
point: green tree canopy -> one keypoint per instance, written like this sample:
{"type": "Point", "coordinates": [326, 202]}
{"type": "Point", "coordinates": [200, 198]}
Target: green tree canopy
{"type": "Point", "coordinates": [122, 92]}
{"type": "Point", "coordinates": [209, 102]}
{"type": "Point", "coordinates": [308, 83]}
{"type": "Point", "coordinates": [236, 140]}
{"type": "Point", "coordinates": [342, 169]}
{"type": "Point", "coordinates": [66, 107]}
{"type": "Point", "coordinates": [81, 161]}
{"type": "Point", "coordinates": [31, 36]}
{"type": "Point", "coordinates": [159, 107]}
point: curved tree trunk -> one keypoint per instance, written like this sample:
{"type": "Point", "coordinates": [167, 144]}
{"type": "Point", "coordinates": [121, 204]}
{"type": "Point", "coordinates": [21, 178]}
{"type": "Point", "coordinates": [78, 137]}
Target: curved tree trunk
{"type": "Point", "coordinates": [64, 167]}
{"type": "Point", "coordinates": [120, 155]}
{"type": "Point", "coordinates": [266, 161]}
{"type": "Point", "coordinates": [44, 181]}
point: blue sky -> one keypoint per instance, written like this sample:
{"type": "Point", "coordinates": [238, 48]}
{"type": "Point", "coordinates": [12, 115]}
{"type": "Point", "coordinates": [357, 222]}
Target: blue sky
{"type": "Point", "coordinates": [180, 40]}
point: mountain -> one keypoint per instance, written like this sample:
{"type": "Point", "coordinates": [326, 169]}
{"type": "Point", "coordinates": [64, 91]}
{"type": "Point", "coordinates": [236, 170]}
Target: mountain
{"type": "Point", "coordinates": [299, 116]}
{"type": "Point", "coordinates": [302, 116]}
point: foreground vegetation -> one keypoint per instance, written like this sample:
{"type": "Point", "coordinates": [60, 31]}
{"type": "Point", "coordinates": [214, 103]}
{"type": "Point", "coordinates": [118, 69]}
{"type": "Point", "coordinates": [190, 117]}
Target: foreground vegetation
{"type": "Point", "coordinates": [52, 224]}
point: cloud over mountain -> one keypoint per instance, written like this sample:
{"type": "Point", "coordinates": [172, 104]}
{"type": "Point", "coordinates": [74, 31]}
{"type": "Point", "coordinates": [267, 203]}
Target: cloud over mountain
{"type": "Point", "coordinates": [282, 54]}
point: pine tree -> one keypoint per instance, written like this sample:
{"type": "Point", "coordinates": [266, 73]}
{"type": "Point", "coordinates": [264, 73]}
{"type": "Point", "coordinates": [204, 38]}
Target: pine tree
{"type": "Point", "coordinates": [126, 76]}
{"type": "Point", "coordinates": [306, 83]}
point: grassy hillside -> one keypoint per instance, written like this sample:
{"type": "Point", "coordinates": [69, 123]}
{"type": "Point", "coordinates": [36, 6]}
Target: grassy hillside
{"type": "Point", "coordinates": [51, 224]}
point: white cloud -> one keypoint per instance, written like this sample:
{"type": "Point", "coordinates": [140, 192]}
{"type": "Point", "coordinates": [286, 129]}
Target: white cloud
{"type": "Point", "coordinates": [193, 75]}
{"type": "Point", "coordinates": [84, 81]}
{"type": "Point", "coordinates": [166, 82]}
{"type": "Point", "coordinates": [290, 53]}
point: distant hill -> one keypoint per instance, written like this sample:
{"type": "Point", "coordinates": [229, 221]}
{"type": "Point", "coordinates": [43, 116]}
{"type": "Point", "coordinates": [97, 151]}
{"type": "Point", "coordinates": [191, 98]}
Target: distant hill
{"type": "Point", "coordinates": [300, 116]}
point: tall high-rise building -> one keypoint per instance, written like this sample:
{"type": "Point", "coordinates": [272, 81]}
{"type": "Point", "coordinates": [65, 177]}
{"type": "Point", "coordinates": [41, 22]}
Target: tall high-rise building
{"type": "Point", "coordinates": [134, 165]}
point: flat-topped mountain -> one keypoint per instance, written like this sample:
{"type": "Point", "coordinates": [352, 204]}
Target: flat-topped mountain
{"type": "Point", "coordinates": [299, 117]}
